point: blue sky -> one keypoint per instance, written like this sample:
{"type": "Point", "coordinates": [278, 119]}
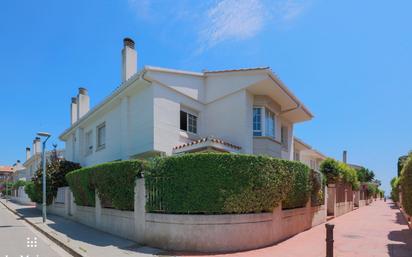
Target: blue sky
{"type": "Point", "coordinates": [348, 61]}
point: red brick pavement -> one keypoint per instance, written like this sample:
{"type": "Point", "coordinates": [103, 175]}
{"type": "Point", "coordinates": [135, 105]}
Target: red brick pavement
{"type": "Point", "coordinates": [377, 230]}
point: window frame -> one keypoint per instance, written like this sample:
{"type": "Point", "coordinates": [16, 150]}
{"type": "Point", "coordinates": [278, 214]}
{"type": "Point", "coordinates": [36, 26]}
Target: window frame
{"type": "Point", "coordinates": [263, 132]}
{"type": "Point", "coordinates": [190, 117]}
{"type": "Point", "coordinates": [284, 141]}
{"type": "Point", "coordinates": [98, 145]}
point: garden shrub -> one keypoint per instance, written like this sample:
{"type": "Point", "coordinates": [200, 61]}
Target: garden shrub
{"type": "Point", "coordinates": [114, 182]}
{"type": "Point", "coordinates": [299, 194]}
{"type": "Point", "coordinates": [395, 189]}
{"type": "Point", "coordinates": [216, 183]}
{"type": "Point", "coordinates": [18, 183]}
{"type": "Point", "coordinates": [331, 170]}
{"type": "Point", "coordinates": [406, 183]}
{"type": "Point", "coordinates": [336, 172]}
{"type": "Point", "coordinates": [34, 195]}
{"type": "Point", "coordinates": [56, 170]}
{"type": "Point", "coordinates": [318, 183]}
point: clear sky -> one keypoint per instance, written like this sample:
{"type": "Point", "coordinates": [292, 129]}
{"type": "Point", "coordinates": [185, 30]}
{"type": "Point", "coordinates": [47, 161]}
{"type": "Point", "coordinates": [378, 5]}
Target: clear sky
{"type": "Point", "coordinates": [348, 61]}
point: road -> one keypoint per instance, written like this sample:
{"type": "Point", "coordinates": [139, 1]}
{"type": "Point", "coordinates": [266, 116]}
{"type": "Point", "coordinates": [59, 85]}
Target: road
{"type": "Point", "coordinates": [17, 238]}
{"type": "Point", "coordinates": [378, 230]}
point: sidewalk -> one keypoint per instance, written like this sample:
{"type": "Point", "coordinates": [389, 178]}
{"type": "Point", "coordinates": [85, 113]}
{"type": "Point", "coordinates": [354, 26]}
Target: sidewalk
{"type": "Point", "coordinates": [377, 230]}
{"type": "Point", "coordinates": [82, 241]}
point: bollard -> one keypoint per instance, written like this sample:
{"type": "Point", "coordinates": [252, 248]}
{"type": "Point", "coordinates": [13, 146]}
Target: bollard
{"type": "Point", "coordinates": [329, 239]}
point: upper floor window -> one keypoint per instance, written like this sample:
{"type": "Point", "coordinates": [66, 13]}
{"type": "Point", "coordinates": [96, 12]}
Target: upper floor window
{"type": "Point", "coordinates": [296, 156]}
{"type": "Point", "coordinates": [270, 123]}
{"type": "Point", "coordinates": [188, 122]}
{"type": "Point", "coordinates": [89, 142]}
{"type": "Point", "coordinates": [263, 122]}
{"type": "Point", "coordinates": [101, 136]}
{"type": "Point", "coordinates": [257, 121]}
{"type": "Point", "coordinates": [284, 136]}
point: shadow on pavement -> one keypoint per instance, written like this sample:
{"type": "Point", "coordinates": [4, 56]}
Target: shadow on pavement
{"type": "Point", "coordinates": [403, 247]}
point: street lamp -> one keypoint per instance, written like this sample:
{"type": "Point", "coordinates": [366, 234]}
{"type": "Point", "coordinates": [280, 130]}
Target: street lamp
{"type": "Point", "coordinates": [47, 136]}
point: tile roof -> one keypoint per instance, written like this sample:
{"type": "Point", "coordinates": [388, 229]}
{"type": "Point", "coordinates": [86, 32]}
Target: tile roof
{"type": "Point", "coordinates": [207, 139]}
{"type": "Point", "coordinates": [242, 69]}
{"type": "Point", "coordinates": [6, 169]}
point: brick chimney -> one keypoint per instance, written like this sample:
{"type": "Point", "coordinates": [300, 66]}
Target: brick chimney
{"type": "Point", "coordinates": [345, 157]}
{"type": "Point", "coordinates": [129, 59]}
{"type": "Point", "coordinates": [83, 103]}
{"type": "Point", "coordinates": [73, 110]}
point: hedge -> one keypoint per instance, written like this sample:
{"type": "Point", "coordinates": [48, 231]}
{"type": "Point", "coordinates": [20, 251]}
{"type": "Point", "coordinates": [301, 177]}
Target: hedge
{"type": "Point", "coordinates": [406, 184]}
{"type": "Point", "coordinates": [114, 182]}
{"type": "Point", "coordinates": [301, 187]}
{"type": "Point", "coordinates": [216, 183]}
{"type": "Point", "coordinates": [336, 171]}
{"type": "Point", "coordinates": [317, 191]}
{"type": "Point", "coordinates": [395, 189]}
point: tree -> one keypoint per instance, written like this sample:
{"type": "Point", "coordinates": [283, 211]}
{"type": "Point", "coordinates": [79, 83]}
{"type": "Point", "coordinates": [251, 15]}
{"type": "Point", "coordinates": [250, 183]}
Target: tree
{"type": "Point", "coordinates": [365, 175]}
{"type": "Point", "coordinates": [56, 170]}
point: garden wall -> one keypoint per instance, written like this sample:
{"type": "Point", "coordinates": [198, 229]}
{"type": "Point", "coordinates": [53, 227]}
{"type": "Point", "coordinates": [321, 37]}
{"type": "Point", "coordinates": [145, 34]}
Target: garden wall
{"type": "Point", "coordinates": [203, 233]}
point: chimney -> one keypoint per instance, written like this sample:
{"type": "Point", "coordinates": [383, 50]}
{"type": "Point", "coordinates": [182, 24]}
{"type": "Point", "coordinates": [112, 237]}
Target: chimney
{"type": "Point", "coordinates": [83, 103]}
{"type": "Point", "coordinates": [129, 59]}
{"type": "Point", "coordinates": [345, 156]}
{"type": "Point", "coordinates": [28, 153]}
{"type": "Point", "coordinates": [36, 146]}
{"type": "Point", "coordinates": [73, 110]}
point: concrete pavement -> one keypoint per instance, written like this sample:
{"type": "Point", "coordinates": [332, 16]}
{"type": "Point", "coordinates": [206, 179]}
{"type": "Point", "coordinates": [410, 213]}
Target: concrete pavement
{"type": "Point", "coordinates": [378, 230]}
{"type": "Point", "coordinates": [82, 241]}
{"type": "Point", "coordinates": [17, 238]}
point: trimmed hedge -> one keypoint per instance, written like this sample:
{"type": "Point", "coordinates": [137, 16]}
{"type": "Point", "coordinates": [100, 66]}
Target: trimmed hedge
{"type": "Point", "coordinates": [216, 183]}
{"type": "Point", "coordinates": [317, 195]}
{"type": "Point", "coordinates": [336, 172]}
{"type": "Point", "coordinates": [395, 189]}
{"type": "Point", "coordinates": [406, 186]}
{"type": "Point", "coordinates": [301, 187]}
{"type": "Point", "coordinates": [114, 182]}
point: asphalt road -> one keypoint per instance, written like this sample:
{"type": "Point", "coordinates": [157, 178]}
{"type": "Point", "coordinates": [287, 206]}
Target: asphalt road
{"type": "Point", "coordinates": [17, 238]}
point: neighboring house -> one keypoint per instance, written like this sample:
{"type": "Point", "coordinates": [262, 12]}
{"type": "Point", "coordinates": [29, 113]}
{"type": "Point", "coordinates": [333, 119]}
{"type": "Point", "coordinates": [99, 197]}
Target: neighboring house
{"type": "Point", "coordinates": [19, 171]}
{"type": "Point", "coordinates": [34, 159]}
{"type": "Point", "coordinates": [306, 154]}
{"type": "Point", "coordinates": [6, 175]}
{"type": "Point", "coordinates": [162, 111]}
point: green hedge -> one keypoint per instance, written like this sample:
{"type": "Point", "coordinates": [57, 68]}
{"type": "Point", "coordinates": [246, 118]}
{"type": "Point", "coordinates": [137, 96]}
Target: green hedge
{"type": "Point", "coordinates": [395, 189]}
{"type": "Point", "coordinates": [406, 186]}
{"type": "Point", "coordinates": [335, 171]}
{"type": "Point", "coordinates": [215, 183]}
{"type": "Point", "coordinates": [299, 194]}
{"type": "Point", "coordinates": [34, 195]}
{"type": "Point", "coordinates": [318, 183]}
{"type": "Point", "coordinates": [114, 182]}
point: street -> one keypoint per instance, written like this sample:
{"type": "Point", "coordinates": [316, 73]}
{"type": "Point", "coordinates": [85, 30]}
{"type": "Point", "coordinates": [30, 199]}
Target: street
{"type": "Point", "coordinates": [17, 239]}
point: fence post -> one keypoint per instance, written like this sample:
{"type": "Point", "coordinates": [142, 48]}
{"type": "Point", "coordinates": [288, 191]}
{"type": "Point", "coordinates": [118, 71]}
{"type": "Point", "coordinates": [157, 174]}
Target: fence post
{"type": "Point", "coordinates": [329, 239]}
{"type": "Point", "coordinates": [140, 210]}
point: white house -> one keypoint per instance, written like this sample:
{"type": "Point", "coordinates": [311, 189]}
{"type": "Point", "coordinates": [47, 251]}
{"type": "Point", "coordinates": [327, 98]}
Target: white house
{"type": "Point", "coordinates": [160, 111]}
{"type": "Point", "coordinates": [306, 154]}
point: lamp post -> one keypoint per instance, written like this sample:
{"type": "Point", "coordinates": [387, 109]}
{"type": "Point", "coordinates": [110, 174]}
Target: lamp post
{"type": "Point", "coordinates": [46, 136]}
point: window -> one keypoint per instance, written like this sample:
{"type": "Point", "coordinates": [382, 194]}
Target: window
{"type": "Point", "coordinates": [296, 156]}
{"type": "Point", "coordinates": [270, 123]}
{"type": "Point", "coordinates": [188, 122]}
{"type": "Point", "coordinates": [257, 121]}
{"type": "Point", "coordinates": [101, 136]}
{"type": "Point", "coordinates": [284, 136]}
{"type": "Point", "coordinates": [313, 164]}
{"type": "Point", "coordinates": [89, 143]}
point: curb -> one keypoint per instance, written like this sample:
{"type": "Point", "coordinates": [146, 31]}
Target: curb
{"type": "Point", "coordinates": [68, 249]}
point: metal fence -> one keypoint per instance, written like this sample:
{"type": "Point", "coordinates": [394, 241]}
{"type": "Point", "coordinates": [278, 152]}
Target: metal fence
{"type": "Point", "coordinates": [155, 192]}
